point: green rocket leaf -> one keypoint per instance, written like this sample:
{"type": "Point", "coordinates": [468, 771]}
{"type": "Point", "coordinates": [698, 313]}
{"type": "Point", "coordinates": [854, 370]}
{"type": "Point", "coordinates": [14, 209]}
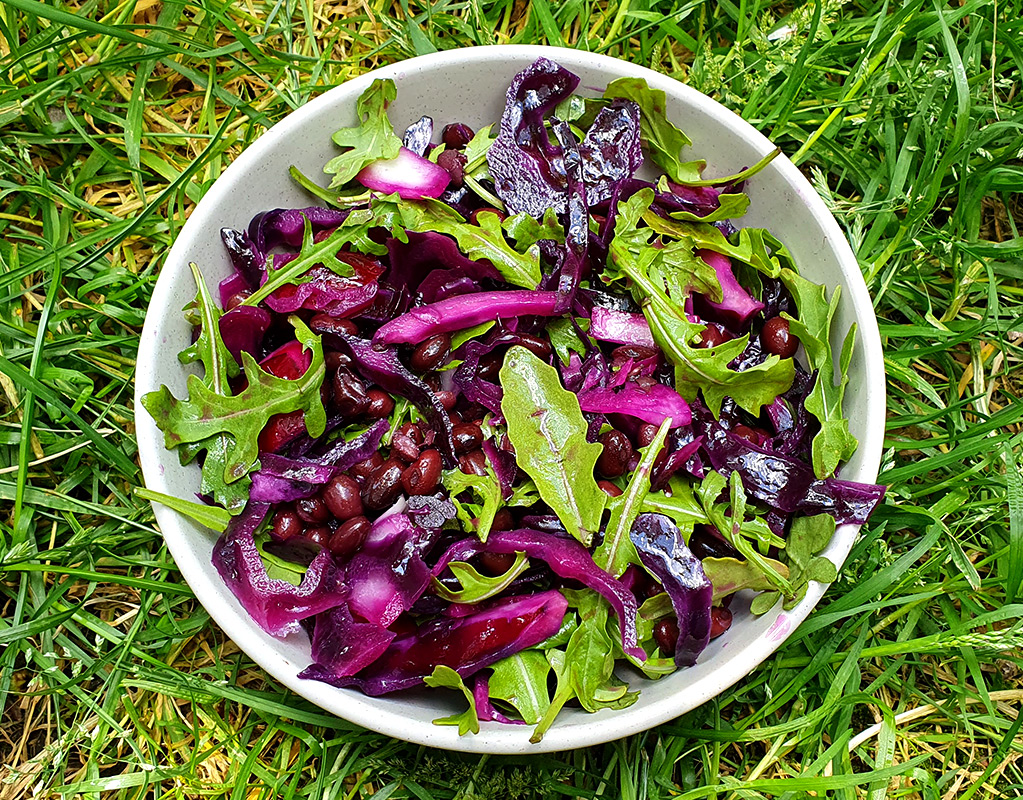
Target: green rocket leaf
{"type": "Point", "coordinates": [371, 140]}
{"type": "Point", "coordinates": [547, 429]}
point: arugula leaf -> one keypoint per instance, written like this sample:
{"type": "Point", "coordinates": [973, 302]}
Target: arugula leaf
{"type": "Point", "coordinates": [477, 587]}
{"type": "Point", "coordinates": [278, 568]}
{"type": "Point", "coordinates": [526, 230]}
{"type": "Point", "coordinates": [834, 443]}
{"type": "Point", "coordinates": [467, 721]}
{"type": "Point", "coordinates": [753, 246]}
{"type": "Point", "coordinates": [737, 529]}
{"type": "Point", "coordinates": [210, 350]}
{"type": "Point", "coordinates": [591, 658]}
{"type": "Point", "coordinates": [521, 680]}
{"type": "Point", "coordinates": [731, 206]}
{"type": "Point", "coordinates": [729, 575]}
{"type": "Point", "coordinates": [565, 340]}
{"type": "Point", "coordinates": [807, 537]}
{"type": "Point", "coordinates": [323, 253]}
{"type": "Point", "coordinates": [478, 517]}
{"type": "Point", "coordinates": [485, 240]}
{"type": "Point", "coordinates": [632, 255]}
{"type": "Point", "coordinates": [547, 429]}
{"type": "Point", "coordinates": [371, 140]}
{"type": "Point", "coordinates": [213, 517]}
{"type": "Point", "coordinates": [476, 153]}
{"type": "Point", "coordinates": [562, 693]}
{"type": "Point", "coordinates": [681, 506]}
{"type": "Point", "coordinates": [660, 137]}
{"type": "Point", "coordinates": [207, 413]}
{"type": "Point", "coordinates": [617, 551]}
{"type": "Point", "coordinates": [696, 368]}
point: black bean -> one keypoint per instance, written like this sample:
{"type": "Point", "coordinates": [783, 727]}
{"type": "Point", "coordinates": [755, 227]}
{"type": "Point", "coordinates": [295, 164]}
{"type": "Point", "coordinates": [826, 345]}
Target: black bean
{"type": "Point", "coordinates": [503, 520]}
{"type": "Point", "coordinates": [383, 486]}
{"type": "Point", "coordinates": [286, 523]}
{"type": "Point", "coordinates": [332, 359]}
{"type": "Point", "coordinates": [404, 447]}
{"type": "Point", "coordinates": [666, 635]}
{"type": "Point", "coordinates": [712, 336]}
{"type": "Point", "coordinates": [614, 458]}
{"type": "Point", "coordinates": [324, 323]}
{"type": "Point", "coordinates": [312, 509]}
{"type": "Point", "coordinates": [349, 536]}
{"type": "Point", "coordinates": [423, 474]}
{"type": "Point", "coordinates": [446, 398]}
{"type": "Point", "coordinates": [496, 563]}
{"type": "Point", "coordinates": [467, 437]}
{"type": "Point", "coordinates": [646, 434]}
{"type": "Point", "coordinates": [364, 469]}
{"type": "Point", "coordinates": [429, 354]}
{"type": "Point", "coordinates": [454, 163]}
{"type": "Point", "coordinates": [413, 431]}
{"type": "Point", "coordinates": [236, 299]}
{"type": "Point", "coordinates": [636, 352]}
{"type": "Point", "coordinates": [350, 395]}
{"type": "Point", "coordinates": [609, 488]}
{"type": "Point", "coordinates": [381, 404]}
{"type": "Point", "coordinates": [474, 216]}
{"type": "Point", "coordinates": [778, 339]}
{"type": "Point", "coordinates": [720, 621]}
{"type": "Point", "coordinates": [319, 534]}
{"type": "Point", "coordinates": [540, 348]}
{"type": "Point", "coordinates": [456, 135]}
{"type": "Point", "coordinates": [342, 497]}
{"type": "Point", "coordinates": [474, 463]}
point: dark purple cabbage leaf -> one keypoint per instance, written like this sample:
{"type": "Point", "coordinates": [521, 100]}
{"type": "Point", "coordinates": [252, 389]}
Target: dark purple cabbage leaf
{"type": "Point", "coordinates": [663, 551]}
{"type": "Point", "coordinates": [276, 605]}
{"type": "Point", "coordinates": [465, 644]}
{"type": "Point", "coordinates": [567, 559]}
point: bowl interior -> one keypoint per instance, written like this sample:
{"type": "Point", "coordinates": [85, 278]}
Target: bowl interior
{"type": "Point", "coordinates": [469, 86]}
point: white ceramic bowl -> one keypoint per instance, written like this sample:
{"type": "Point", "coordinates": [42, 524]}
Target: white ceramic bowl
{"type": "Point", "coordinates": [469, 86]}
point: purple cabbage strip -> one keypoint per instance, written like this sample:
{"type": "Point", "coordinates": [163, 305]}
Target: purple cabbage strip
{"type": "Point", "coordinates": [246, 258]}
{"type": "Point", "coordinates": [846, 501]}
{"type": "Point", "coordinates": [242, 329]}
{"type": "Point", "coordinates": [786, 483]}
{"type": "Point", "coordinates": [464, 311]}
{"type": "Point", "coordinates": [467, 379]}
{"type": "Point", "coordinates": [329, 292]}
{"type": "Point", "coordinates": [682, 449]}
{"type": "Point", "coordinates": [663, 551]}
{"type": "Point", "coordinates": [620, 327]}
{"type": "Point", "coordinates": [528, 171]}
{"type": "Point", "coordinates": [611, 151]}
{"type": "Point", "coordinates": [570, 272]}
{"type": "Point", "coordinates": [736, 306]}
{"type": "Point", "coordinates": [387, 574]}
{"type": "Point", "coordinates": [465, 644]}
{"type": "Point", "coordinates": [485, 710]}
{"type": "Point", "coordinates": [504, 466]}
{"type": "Point", "coordinates": [232, 285]}
{"type": "Point", "coordinates": [432, 265]}
{"type": "Point", "coordinates": [411, 176]}
{"type": "Point", "coordinates": [342, 645]}
{"type": "Point", "coordinates": [286, 226]}
{"type": "Point", "coordinates": [418, 135]}
{"type": "Point", "coordinates": [652, 404]}
{"type": "Point", "coordinates": [276, 606]}
{"type": "Point", "coordinates": [567, 559]}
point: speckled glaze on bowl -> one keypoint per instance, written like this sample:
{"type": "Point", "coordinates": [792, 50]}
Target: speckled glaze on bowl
{"type": "Point", "coordinates": [469, 86]}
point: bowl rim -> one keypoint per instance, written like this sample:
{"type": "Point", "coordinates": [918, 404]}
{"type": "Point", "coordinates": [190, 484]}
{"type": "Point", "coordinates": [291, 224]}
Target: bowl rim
{"type": "Point", "coordinates": [505, 739]}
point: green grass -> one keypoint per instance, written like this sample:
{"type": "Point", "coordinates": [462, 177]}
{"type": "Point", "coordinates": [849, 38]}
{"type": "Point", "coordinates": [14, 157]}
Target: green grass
{"type": "Point", "coordinates": [115, 117]}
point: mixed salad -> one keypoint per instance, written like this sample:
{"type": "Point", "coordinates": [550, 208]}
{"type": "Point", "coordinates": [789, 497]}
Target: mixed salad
{"type": "Point", "coordinates": [502, 415]}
